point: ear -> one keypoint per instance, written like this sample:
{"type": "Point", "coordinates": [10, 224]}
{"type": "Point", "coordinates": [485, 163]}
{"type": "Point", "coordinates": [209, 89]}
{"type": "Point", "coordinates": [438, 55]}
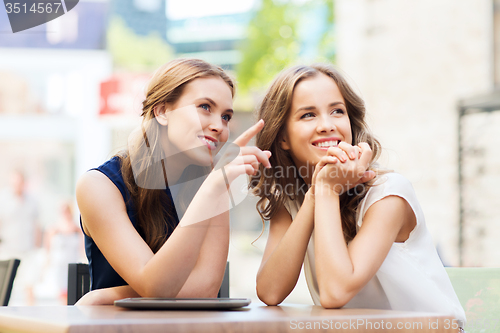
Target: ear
{"type": "Point", "coordinates": [160, 112]}
{"type": "Point", "coordinates": [283, 140]}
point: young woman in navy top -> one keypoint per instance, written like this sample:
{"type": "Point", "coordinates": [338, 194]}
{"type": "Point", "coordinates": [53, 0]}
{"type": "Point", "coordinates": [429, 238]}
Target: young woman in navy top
{"type": "Point", "coordinates": [137, 242]}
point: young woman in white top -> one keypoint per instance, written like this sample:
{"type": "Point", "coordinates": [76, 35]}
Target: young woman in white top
{"type": "Point", "coordinates": [359, 230]}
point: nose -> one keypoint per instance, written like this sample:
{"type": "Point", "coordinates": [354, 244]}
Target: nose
{"type": "Point", "coordinates": [325, 124]}
{"type": "Point", "coordinates": [215, 125]}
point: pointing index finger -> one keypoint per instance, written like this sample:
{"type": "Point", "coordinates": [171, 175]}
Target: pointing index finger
{"type": "Point", "coordinates": [245, 138]}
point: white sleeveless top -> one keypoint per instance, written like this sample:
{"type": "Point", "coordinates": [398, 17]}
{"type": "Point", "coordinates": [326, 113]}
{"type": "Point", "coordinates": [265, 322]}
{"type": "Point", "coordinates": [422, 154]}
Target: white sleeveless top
{"type": "Point", "coordinates": [412, 277]}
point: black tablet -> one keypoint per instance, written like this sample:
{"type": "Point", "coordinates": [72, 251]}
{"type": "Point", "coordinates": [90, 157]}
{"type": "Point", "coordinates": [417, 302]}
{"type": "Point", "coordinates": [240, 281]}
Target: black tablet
{"type": "Point", "coordinates": [183, 303]}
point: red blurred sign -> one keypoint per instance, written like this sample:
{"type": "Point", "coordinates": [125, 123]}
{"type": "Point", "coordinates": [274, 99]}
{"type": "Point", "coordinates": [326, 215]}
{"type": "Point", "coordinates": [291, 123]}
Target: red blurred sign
{"type": "Point", "coordinates": [123, 94]}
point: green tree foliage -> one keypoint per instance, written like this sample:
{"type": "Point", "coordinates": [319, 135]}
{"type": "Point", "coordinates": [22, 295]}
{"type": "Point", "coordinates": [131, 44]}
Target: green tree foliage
{"type": "Point", "coordinates": [273, 41]}
{"type": "Point", "coordinates": [134, 52]}
{"type": "Point", "coordinates": [271, 44]}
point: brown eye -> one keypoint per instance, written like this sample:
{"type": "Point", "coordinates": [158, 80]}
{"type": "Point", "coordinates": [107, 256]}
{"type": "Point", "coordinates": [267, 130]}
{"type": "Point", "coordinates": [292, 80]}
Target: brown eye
{"type": "Point", "coordinates": [307, 115]}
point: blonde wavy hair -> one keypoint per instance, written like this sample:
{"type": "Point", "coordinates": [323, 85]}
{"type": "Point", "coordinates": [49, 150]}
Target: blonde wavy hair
{"type": "Point", "coordinates": [275, 109]}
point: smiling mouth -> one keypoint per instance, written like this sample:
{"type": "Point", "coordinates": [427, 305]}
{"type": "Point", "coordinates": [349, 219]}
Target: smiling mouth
{"type": "Point", "coordinates": [209, 143]}
{"type": "Point", "coordinates": [327, 144]}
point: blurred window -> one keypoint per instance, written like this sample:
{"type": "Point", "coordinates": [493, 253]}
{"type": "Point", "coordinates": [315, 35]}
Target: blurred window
{"type": "Point", "coordinates": [149, 6]}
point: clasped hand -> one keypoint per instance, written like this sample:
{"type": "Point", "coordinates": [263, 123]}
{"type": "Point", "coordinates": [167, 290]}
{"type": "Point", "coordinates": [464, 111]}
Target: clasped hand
{"type": "Point", "coordinates": [343, 167]}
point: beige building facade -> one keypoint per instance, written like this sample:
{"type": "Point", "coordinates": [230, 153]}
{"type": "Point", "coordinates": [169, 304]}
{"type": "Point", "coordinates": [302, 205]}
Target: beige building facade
{"type": "Point", "coordinates": [413, 61]}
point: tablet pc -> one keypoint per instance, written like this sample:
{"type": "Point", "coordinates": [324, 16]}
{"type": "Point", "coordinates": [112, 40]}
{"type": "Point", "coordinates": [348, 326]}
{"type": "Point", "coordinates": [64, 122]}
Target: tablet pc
{"type": "Point", "coordinates": [183, 303]}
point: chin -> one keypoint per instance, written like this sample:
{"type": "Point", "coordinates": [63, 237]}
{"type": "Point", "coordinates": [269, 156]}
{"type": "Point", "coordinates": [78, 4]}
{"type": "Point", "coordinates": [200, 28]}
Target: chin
{"type": "Point", "coordinates": [202, 158]}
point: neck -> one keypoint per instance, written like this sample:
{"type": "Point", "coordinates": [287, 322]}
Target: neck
{"type": "Point", "coordinates": [175, 162]}
{"type": "Point", "coordinates": [174, 169]}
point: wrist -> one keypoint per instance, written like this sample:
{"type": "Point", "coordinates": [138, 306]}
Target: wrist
{"type": "Point", "coordinates": [217, 183]}
{"type": "Point", "coordinates": [326, 189]}
{"type": "Point", "coordinates": [310, 193]}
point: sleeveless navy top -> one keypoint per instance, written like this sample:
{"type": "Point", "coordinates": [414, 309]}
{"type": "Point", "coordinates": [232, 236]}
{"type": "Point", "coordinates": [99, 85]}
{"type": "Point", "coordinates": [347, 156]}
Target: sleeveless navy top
{"type": "Point", "coordinates": [102, 275]}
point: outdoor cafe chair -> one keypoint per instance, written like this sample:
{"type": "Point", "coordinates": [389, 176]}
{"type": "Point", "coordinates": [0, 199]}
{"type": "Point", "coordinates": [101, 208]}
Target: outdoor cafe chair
{"type": "Point", "coordinates": [8, 270]}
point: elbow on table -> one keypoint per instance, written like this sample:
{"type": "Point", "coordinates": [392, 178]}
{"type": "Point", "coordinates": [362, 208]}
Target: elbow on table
{"type": "Point", "coordinates": [334, 299]}
{"type": "Point", "coordinates": [269, 297]}
{"type": "Point", "coordinates": [329, 302]}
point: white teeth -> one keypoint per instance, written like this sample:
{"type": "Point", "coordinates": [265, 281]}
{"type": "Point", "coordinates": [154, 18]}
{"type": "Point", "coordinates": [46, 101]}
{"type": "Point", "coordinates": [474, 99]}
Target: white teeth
{"type": "Point", "coordinates": [210, 142]}
{"type": "Point", "coordinates": [327, 144]}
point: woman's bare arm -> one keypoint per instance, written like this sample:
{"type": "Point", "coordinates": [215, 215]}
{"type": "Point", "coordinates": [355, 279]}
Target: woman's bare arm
{"type": "Point", "coordinates": [284, 254]}
{"type": "Point", "coordinates": [342, 270]}
{"type": "Point", "coordinates": [107, 296]}
{"type": "Point", "coordinates": [209, 267]}
{"type": "Point", "coordinates": [163, 274]}
{"type": "Point", "coordinates": [105, 219]}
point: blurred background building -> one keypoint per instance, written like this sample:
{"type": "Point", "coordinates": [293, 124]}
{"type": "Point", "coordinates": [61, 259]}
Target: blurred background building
{"type": "Point", "coordinates": [71, 92]}
{"type": "Point", "coordinates": [196, 30]}
{"type": "Point", "coordinates": [415, 63]}
{"type": "Point", "coordinates": [49, 128]}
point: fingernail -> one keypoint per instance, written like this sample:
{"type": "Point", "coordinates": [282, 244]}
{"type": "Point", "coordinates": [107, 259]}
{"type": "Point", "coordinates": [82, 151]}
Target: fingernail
{"type": "Point", "coordinates": [269, 166]}
{"type": "Point", "coordinates": [353, 156]}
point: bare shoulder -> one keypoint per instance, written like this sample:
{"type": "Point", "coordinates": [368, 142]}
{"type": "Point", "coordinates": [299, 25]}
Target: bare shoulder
{"type": "Point", "coordinates": [392, 214]}
{"type": "Point", "coordinates": [96, 196]}
{"type": "Point", "coordinates": [391, 204]}
{"type": "Point", "coordinates": [91, 177]}
{"type": "Point", "coordinates": [94, 184]}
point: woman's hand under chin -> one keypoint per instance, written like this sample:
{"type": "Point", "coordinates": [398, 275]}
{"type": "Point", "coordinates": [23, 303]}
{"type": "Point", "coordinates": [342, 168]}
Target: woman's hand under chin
{"type": "Point", "coordinates": [344, 167]}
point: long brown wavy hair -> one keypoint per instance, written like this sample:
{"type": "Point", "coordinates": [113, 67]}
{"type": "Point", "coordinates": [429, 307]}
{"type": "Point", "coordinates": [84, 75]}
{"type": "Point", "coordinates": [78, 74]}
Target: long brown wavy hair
{"type": "Point", "coordinates": [155, 211]}
{"type": "Point", "coordinates": [269, 184]}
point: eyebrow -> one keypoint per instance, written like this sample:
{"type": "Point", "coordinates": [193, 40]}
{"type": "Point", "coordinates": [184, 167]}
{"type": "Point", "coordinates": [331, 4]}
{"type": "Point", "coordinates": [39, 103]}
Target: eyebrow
{"type": "Point", "coordinates": [308, 108]}
{"type": "Point", "coordinates": [211, 101]}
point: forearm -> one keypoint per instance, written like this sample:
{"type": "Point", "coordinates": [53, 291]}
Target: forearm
{"type": "Point", "coordinates": [278, 275]}
{"type": "Point", "coordinates": [168, 270]}
{"type": "Point", "coordinates": [334, 268]}
{"type": "Point", "coordinates": [107, 296]}
{"type": "Point", "coordinates": [208, 272]}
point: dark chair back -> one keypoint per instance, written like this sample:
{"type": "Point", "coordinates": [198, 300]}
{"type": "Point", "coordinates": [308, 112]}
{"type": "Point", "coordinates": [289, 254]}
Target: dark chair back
{"type": "Point", "coordinates": [8, 270]}
{"type": "Point", "coordinates": [79, 282]}
{"type": "Point", "coordinates": [224, 288]}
